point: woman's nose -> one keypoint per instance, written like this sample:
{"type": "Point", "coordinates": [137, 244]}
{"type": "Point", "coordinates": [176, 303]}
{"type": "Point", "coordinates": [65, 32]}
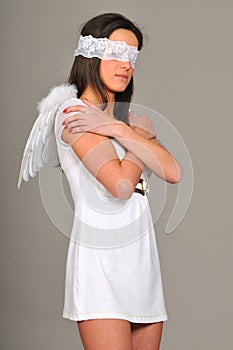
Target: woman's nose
{"type": "Point", "coordinates": [126, 65]}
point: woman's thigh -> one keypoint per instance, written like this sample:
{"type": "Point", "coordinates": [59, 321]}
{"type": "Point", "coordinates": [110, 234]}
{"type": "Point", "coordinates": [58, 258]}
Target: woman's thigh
{"type": "Point", "coordinates": [105, 334]}
{"type": "Point", "coordinates": [146, 335]}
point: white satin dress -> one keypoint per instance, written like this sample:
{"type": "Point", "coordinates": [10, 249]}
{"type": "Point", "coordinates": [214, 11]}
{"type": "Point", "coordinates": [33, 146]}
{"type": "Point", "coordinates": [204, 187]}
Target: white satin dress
{"type": "Point", "coordinates": [112, 268]}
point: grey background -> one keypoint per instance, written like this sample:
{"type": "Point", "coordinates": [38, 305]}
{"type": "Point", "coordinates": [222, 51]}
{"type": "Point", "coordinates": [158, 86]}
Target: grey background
{"type": "Point", "coordinates": [184, 73]}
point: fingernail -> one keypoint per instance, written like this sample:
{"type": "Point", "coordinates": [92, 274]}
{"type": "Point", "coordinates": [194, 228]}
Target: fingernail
{"type": "Point", "coordinates": [66, 126]}
{"type": "Point", "coordinates": [70, 130]}
{"type": "Point", "coordinates": [63, 123]}
{"type": "Point", "coordinates": [65, 110]}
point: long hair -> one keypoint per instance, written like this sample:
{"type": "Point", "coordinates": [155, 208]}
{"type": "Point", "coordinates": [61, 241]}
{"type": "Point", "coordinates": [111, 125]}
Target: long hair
{"type": "Point", "coordinates": [86, 71]}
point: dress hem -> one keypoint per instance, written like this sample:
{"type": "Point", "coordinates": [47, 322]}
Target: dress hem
{"type": "Point", "coordinates": [117, 315]}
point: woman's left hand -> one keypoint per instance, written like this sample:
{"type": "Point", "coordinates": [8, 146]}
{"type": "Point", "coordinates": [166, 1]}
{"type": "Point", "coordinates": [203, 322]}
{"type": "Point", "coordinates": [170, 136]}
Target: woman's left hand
{"type": "Point", "coordinates": [89, 119]}
{"type": "Point", "coordinates": [142, 125]}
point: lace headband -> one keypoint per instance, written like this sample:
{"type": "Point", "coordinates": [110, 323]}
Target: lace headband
{"type": "Point", "coordinates": [106, 49]}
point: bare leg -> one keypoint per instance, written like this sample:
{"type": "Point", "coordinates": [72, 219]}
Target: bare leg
{"type": "Point", "coordinates": [146, 335]}
{"type": "Point", "coordinates": [105, 334]}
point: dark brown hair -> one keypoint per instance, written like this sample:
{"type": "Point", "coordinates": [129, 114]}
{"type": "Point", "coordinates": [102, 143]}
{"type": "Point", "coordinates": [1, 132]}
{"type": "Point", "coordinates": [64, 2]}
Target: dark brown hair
{"type": "Point", "coordinates": [85, 71]}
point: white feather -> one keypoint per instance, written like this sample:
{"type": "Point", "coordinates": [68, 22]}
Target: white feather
{"type": "Point", "coordinates": [41, 146]}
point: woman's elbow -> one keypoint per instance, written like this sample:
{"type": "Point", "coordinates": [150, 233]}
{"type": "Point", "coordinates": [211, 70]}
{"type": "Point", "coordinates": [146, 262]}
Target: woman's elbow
{"type": "Point", "coordinates": [176, 175]}
{"type": "Point", "coordinates": [123, 189]}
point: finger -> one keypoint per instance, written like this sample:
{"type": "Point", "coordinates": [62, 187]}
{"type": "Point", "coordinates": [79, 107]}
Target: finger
{"type": "Point", "coordinates": [75, 123]}
{"type": "Point", "coordinates": [131, 114]}
{"type": "Point", "coordinates": [132, 119]}
{"type": "Point", "coordinates": [78, 129]}
{"type": "Point", "coordinates": [76, 108]}
{"type": "Point", "coordinates": [78, 116]}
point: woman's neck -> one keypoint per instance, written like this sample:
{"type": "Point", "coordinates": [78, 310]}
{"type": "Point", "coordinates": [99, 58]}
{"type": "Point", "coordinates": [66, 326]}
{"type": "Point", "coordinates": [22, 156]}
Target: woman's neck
{"type": "Point", "coordinates": [92, 97]}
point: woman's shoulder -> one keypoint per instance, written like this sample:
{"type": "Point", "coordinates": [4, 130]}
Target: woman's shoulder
{"type": "Point", "coordinates": [71, 102]}
{"type": "Point", "coordinates": [68, 103]}
{"type": "Point", "coordinates": [60, 116]}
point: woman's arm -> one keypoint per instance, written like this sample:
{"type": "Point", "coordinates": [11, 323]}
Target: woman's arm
{"type": "Point", "coordinates": [151, 152]}
{"type": "Point", "coordinates": [148, 151]}
{"type": "Point", "coordinates": [99, 156]}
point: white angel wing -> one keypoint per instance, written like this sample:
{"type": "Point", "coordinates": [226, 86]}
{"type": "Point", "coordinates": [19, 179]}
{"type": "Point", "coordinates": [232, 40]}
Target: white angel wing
{"type": "Point", "coordinates": [41, 146]}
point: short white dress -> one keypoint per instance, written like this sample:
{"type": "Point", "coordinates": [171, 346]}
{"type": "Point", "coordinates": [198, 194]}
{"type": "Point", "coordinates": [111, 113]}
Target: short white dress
{"type": "Point", "coordinates": [112, 268]}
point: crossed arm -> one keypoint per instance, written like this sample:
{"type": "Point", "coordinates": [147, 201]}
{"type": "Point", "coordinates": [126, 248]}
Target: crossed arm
{"type": "Point", "coordinates": [88, 134]}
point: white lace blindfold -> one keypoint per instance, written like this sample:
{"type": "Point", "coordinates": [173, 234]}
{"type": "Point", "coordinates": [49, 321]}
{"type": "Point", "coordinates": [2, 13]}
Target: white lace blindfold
{"type": "Point", "coordinates": [106, 49]}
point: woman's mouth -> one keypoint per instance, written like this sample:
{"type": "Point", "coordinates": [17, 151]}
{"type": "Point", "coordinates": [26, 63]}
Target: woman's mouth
{"type": "Point", "coordinates": [122, 76]}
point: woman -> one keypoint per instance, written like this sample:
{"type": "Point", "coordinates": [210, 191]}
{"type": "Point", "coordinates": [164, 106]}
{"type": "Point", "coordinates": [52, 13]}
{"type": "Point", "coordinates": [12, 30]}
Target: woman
{"type": "Point", "coordinates": [114, 294]}
{"type": "Point", "coordinates": [113, 285]}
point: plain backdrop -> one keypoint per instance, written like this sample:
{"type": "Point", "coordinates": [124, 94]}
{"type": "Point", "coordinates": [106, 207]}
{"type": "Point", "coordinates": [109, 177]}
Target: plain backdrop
{"type": "Point", "coordinates": [185, 73]}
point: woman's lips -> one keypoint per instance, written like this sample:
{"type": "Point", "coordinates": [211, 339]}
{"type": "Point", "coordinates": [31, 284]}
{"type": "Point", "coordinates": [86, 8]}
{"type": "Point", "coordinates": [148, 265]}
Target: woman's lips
{"type": "Point", "coordinates": [122, 76]}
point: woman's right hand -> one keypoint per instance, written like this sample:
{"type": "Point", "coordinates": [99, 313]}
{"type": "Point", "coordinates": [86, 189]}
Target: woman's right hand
{"type": "Point", "coordinates": [89, 119]}
{"type": "Point", "coordinates": [142, 125]}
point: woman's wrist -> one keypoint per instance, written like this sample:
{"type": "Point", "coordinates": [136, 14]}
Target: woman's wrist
{"type": "Point", "coordinates": [121, 130]}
